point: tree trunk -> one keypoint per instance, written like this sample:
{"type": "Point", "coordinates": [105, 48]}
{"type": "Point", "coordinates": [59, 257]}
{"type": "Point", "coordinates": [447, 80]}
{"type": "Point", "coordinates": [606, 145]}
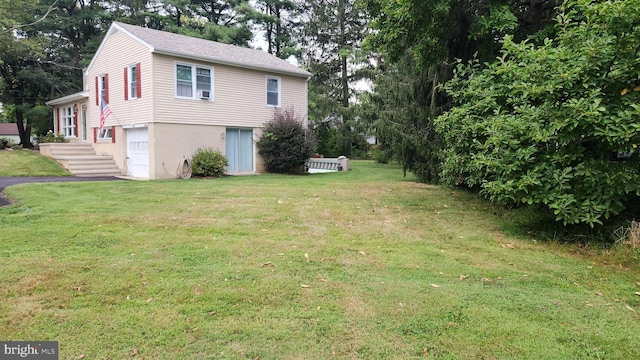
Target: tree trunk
{"type": "Point", "coordinates": [344, 81]}
{"type": "Point", "coordinates": [178, 18]}
{"type": "Point", "coordinates": [25, 133]}
{"type": "Point", "coordinates": [269, 28]}
{"type": "Point", "coordinates": [278, 37]}
{"type": "Point", "coordinates": [536, 15]}
{"type": "Point", "coordinates": [269, 37]}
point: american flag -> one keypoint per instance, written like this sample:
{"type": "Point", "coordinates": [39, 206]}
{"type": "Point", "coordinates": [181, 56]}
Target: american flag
{"type": "Point", "coordinates": [104, 113]}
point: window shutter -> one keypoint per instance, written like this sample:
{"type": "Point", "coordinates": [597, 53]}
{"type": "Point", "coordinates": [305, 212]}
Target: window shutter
{"type": "Point", "coordinates": [75, 118]}
{"type": "Point", "coordinates": [126, 83]}
{"type": "Point", "coordinates": [58, 120]}
{"type": "Point", "coordinates": [138, 82]}
{"type": "Point", "coordinates": [95, 135]}
{"type": "Point", "coordinates": [97, 92]}
{"type": "Point", "coordinates": [113, 134]}
{"type": "Point", "coordinates": [106, 88]}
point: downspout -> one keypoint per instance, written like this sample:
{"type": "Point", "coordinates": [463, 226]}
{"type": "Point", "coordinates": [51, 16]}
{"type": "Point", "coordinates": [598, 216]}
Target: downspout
{"type": "Point", "coordinates": [306, 102]}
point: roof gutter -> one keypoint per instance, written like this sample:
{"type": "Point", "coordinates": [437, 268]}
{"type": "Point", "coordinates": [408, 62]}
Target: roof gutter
{"type": "Point", "coordinates": [69, 98]}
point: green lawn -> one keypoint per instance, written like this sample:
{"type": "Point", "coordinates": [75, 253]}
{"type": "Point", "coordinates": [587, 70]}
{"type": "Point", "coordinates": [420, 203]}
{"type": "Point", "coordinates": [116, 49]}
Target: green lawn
{"type": "Point", "coordinates": [359, 265]}
{"type": "Point", "coordinates": [28, 163]}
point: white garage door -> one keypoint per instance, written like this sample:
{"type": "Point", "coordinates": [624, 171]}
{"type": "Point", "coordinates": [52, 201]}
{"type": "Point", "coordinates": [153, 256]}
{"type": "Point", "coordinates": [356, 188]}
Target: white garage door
{"type": "Point", "coordinates": [138, 153]}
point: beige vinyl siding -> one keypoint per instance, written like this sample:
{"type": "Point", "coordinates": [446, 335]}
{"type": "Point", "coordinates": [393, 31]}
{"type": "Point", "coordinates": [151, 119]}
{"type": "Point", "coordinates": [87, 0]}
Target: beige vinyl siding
{"type": "Point", "coordinates": [239, 96]}
{"type": "Point", "coordinates": [118, 51]}
{"type": "Point", "coordinates": [174, 142]}
{"type": "Point", "coordinates": [294, 95]}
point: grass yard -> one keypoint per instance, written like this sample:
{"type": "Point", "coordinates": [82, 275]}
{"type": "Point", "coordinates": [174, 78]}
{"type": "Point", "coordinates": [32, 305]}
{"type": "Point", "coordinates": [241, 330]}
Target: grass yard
{"type": "Point", "coordinates": [359, 265]}
{"type": "Point", "coordinates": [28, 163]}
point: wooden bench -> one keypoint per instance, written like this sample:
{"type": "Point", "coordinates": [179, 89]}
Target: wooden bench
{"type": "Point", "coordinates": [322, 165]}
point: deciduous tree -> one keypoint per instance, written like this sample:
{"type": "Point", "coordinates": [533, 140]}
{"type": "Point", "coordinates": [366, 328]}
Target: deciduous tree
{"type": "Point", "coordinates": [21, 59]}
{"type": "Point", "coordinates": [555, 125]}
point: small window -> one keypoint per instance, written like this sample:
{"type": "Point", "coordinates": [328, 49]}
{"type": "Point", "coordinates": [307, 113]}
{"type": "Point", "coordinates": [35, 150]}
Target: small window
{"type": "Point", "coordinates": [68, 121]}
{"type": "Point", "coordinates": [194, 81]}
{"type": "Point", "coordinates": [273, 91]}
{"type": "Point", "coordinates": [103, 89]}
{"type": "Point", "coordinates": [105, 134]}
{"type": "Point", "coordinates": [133, 82]}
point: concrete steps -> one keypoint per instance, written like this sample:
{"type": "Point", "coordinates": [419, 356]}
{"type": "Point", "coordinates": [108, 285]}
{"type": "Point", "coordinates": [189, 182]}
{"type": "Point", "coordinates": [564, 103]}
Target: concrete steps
{"type": "Point", "coordinates": [81, 159]}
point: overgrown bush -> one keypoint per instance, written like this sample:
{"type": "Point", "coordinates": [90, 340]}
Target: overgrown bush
{"type": "Point", "coordinates": [381, 154]}
{"type": "Point", "coordinates": [555, 125]}
{"type": "Point", "coordinates": [337, 137]}
{"type": "Point", "coordinates": [286, 144]}
{"type": "Point", "coordinates": [208, 162]}
{"type": "Point", "coordinates": [5, 143]}
{"type": "Point", "coordinates": [50, 137]}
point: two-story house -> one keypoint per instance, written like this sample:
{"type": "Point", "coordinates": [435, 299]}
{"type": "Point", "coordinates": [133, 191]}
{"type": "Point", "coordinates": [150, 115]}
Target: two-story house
{"type": "Point", "coordinates": [164, 95]}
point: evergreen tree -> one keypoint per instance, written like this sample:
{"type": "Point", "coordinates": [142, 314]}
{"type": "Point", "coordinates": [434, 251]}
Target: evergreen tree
{"type": "Point", "coordinates": [332, 32]}
{"type": "Point", "coordinates": [279, 20]}
{"type": "Point", "coordinates": [216, 20]}
{"type": "Point", "coordinates": [418, 40]}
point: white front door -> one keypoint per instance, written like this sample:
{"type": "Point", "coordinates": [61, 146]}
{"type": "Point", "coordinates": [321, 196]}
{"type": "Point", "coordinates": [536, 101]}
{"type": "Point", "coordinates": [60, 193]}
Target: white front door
{"type": "Point", "coordinates": [138, 153]}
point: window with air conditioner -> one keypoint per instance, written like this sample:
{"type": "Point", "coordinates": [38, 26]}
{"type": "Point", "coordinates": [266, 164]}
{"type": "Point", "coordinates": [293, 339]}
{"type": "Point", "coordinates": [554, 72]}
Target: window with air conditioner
{"type": "Point", "coordinates": [194, 82]}
{"type": "Point", "coordinates": [204, 94]}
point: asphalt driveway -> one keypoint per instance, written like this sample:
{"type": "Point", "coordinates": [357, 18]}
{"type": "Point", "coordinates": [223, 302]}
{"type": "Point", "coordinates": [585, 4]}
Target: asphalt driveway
{"type": "Point", "coordinates": [8, 181]}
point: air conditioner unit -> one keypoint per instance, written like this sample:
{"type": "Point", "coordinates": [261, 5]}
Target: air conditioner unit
{"type": "Point", "coordinates": [204, 94]}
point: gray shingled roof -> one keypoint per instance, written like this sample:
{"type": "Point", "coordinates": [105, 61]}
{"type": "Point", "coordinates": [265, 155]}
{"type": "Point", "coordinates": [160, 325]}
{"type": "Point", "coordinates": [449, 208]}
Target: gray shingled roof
{"type": "Point", "coordinates": [190, 47]}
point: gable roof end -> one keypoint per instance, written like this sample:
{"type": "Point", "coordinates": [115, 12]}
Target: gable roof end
{"type": "Point", "coordinates": [167, 43]}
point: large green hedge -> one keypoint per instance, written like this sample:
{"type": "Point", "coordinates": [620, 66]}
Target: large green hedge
{"type": "Point", "coordinates": [548, 125]}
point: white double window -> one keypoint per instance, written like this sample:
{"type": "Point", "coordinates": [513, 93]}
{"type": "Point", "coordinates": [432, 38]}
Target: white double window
{"type": "Point", "coordinates": [194, 82]}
